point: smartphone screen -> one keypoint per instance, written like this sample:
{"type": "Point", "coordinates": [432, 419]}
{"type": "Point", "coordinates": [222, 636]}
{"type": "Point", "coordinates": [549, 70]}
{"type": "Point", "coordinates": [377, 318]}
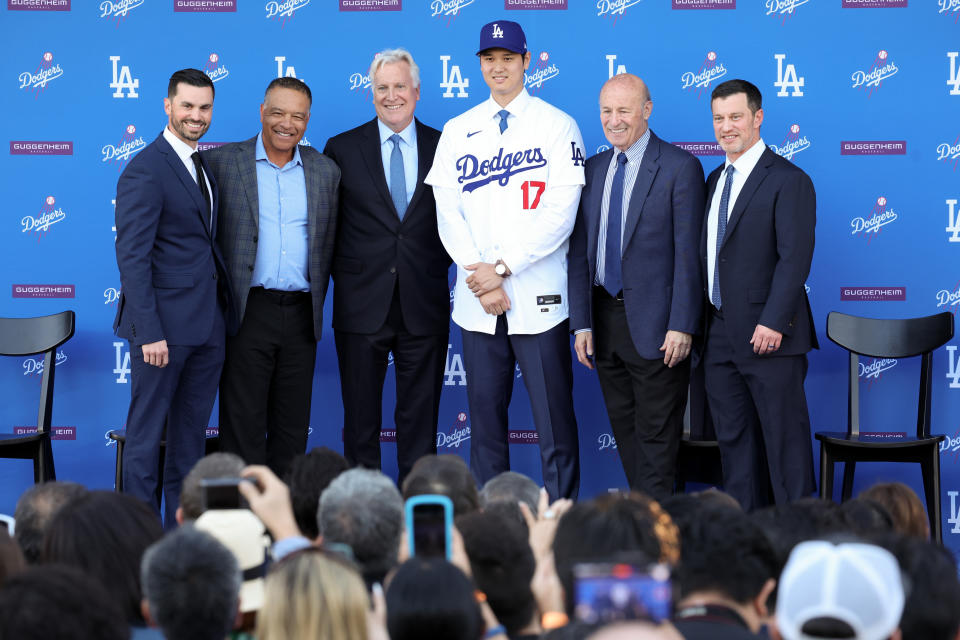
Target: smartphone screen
{"type": "Point", "coordinates": [607, 592]}
{"type": "Point", "coordinates": [222, 493]}
{"type": "Point", "coordinates": [429, 530]}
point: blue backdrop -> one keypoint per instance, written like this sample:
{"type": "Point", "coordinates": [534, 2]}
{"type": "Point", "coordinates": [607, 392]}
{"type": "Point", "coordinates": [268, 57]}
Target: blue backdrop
{"type": "Point", "coordinates": [862, 94]}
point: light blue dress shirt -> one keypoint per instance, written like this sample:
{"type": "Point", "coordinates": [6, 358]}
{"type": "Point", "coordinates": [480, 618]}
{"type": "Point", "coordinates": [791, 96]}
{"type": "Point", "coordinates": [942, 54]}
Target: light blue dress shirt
{"type": "Point", "coordinates": [283, 248]}
{"type": "Point", "coordinates": [408, 147]}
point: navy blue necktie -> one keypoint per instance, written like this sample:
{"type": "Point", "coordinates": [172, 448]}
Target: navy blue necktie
{"type": "Point", "coordinates": [398, 180]}
{"type": "Point", "coordinates": [503, 113]}
{"type": "Point", "coordinates": [612, 279]}
{"type": "Point", "coordinates": [721, 230]}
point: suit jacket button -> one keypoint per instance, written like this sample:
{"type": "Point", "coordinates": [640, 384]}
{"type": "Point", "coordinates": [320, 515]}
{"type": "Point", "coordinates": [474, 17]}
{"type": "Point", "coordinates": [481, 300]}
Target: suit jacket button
{"type": "Point", "coordinates": [393, 269]}
{"type": "Point", "coordinates": [214, 276]}
{"type": "Point", "coordinates": [255, 238]}
{"type": "Point", "coordinates": [250, 267]}
{"type": "Point", "coordinates": [399, 236]}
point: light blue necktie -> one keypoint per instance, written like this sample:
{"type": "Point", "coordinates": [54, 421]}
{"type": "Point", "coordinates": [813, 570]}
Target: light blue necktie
{"type": "Point", "coordinates": [721, 230]}
{"type": "Point", "coordinates": [398, 180]}
{"type": "Point", "coordinates": [612, 279]}
{"type": "Point", "coordinates": [503, 113]}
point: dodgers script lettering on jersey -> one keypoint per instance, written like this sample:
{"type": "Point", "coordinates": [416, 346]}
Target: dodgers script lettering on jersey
{"type": "Point", "coordinates": [475, 173]}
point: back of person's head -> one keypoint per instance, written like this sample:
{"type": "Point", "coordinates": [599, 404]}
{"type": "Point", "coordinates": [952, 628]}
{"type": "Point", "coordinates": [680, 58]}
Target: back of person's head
{"type": "Point", "coordinates": [210, 467]}
{"type": "Point", "coordinates": [611, 527]}
{"type": "Point", "coordinates": [635, 630]}
{"type": "Point", "coordinates": [786, 525]}
{"type": "Point", "coordinates": [932, 609]}
{"type": "Point", "coordinates": [867, 517]}
{"type": "Point", "coordinates": [502, 565]}
{"type": "Point", "coordinates": [313, 595]}
{"type": "Point", "coordinates": [191, 585]}
{"type": "Point", "coordinates": [446, 475]}
{"type": "Point", "coordinates": [363, 509]}
{"type": "Point", "coordinates": [431, 598]}
{"type": "Point", "coordinates": [846, 590]}
{"type": "Point", "coordinates": [503, 493]}
{"type": "Point", "coordinates": [308, 476]}
{"type": "Point", "coordinates": [11, 557]}
{"type": "Point", "coordinates": [723, 551]}
{"type": "Point", "coordinates": [35, 508]}
{"type": "Point", "coordinates": [104, 534]}
{"type": "Point", "coordinates": [904, 507]}
{"type": "Point", "coordinates": [56, 601]}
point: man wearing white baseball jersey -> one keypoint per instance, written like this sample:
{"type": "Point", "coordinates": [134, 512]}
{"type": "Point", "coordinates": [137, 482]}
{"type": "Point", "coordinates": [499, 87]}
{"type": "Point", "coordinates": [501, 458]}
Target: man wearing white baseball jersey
{"type": "Point", "coordinates": [507, 178]}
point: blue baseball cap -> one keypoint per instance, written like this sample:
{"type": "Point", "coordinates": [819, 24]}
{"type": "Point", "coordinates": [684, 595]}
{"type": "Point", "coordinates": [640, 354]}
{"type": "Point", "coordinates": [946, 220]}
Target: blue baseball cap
{"type": "Point", "coordinates": [502, 34]}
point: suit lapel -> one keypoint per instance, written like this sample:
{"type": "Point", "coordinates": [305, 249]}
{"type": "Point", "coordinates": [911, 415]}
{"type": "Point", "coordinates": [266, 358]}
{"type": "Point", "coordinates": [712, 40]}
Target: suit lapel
{"type": "Point", "coordinates": [592, 207]}
{"type": "Point", "coordinates": [214, 193]}
{"type": "Point", "coordinates": [756, 176]}
{"type": "Point", "coordinates": [312, 178]}
{"type": "Point", "coordinates": [649, 166]}
{"type": "Point", "coordinates": [422, 169]}
{"type": "Point", "coordinates": [370, 150]}
{"type": "Point", "coordinates": [246, 158]}
{"type": "Point", "coordinates": [186, 180]}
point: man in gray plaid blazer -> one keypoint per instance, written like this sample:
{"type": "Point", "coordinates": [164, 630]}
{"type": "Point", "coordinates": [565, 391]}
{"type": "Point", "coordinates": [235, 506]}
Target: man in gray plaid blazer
{"type": "Point", "coordinates": [277, 222]}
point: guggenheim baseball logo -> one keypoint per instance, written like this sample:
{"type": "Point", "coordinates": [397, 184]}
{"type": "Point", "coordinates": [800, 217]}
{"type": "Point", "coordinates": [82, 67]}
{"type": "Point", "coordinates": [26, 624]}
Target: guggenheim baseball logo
{"type": "Point", "coordinates": [38, 5]}
{"type": "Point", "coordinates": [119, 154]}
{"type": "Point", "coordinates": [215, 69]}
{"type": "Point", "coordinates": [883, 67]}
{"type": "Point", "coordinates": [702, 148]}
{"type": "Point", "coordinates": [879, 217]}
{"type": "Point", "coordinates": [284, 10]}
{"type": "Point", "coordinates": [41, 148]}
{"type": "Point", "coordinates": [542, 72]}
{"type": "Point", "coordinates": [44, 291]}
{"type": "Point", "coordinates": [543, 5]}
{"type": "Point", "coordinates": [371, 5]}
{"type": "Point", "coordinates": [45, 73]}
{"type": "Point", "coordinates": [873, 294]}
{"type": "Point", "coordinates": [710, 70]}
{"type": "Point", "coordinates": [49, 215]}
{"type": "Point", "coordinates": [205, 6]}
{"type": "Point", "coordinates": [873, 147]}
{"type": "Point", "coordinates": [792, 144]}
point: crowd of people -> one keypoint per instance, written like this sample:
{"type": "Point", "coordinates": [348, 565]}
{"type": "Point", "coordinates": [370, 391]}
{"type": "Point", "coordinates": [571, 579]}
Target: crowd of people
{"type": "Point", "coordinates": [324, 555]}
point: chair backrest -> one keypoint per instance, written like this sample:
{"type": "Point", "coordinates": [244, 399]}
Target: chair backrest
{"type": "Point", "coordinates": [890, 338]}
{"type": "Point", "coordinates": [30, 336]}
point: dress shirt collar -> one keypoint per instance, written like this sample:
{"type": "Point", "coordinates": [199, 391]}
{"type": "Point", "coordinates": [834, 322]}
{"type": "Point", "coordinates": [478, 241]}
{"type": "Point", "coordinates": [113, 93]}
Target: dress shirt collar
{"type": "Point", "coordinates": [184, 151]}
{"type": "Point", "coordinates": [745, 163]}
{"type": "Point", "coordinates": [408, 135]}
{"type": "Point", "coordinates": [516, 107]}
{"type": "Point", "coordinates": [262, 152]}
{"type": "Point", "coordinates": [636, 150]}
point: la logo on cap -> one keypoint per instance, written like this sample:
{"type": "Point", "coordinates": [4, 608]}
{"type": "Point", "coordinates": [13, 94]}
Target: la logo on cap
{"type": "Point", "coordinates": [497, 31]}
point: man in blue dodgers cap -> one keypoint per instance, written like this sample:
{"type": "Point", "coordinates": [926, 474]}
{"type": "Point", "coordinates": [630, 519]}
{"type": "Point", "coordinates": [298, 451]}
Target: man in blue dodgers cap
{"type": "Point", "coordinates": [507, 178]}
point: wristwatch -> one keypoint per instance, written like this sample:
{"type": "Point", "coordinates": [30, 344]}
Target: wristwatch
{"type": "Point", "coordinates": [500, 269]}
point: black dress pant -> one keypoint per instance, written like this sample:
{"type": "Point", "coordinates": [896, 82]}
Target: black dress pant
{"type": "Point", "coordinates": [267, 380]}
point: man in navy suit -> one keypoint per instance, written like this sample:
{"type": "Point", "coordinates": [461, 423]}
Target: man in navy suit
{"type": "Point", "coordinates": [756, 248]}
{"type": "Point", "coordinates": [390, 271]}
{"type": "Point", "coordinates": [174, 294]}
{"type": "Point", "coordinates": [634, 284]}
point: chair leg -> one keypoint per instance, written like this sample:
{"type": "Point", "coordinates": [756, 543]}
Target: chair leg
{"type": "Point", "coordinates": [826, 472]}
{"type": "Point", "coordinates": [849, 467]}
{"type": "Point", "coordinates": [118, 478]}
{"type": "Point", "coordinates": [931, 490]}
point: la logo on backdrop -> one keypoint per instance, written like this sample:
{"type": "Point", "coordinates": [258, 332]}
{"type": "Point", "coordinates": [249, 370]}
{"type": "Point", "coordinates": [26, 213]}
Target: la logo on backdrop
{"type": "Point", "coordinates": [953, 220]}
{"type": "Point", "coordinates": [883, 67]}
{"type": "Point", "coordinates": [49, 215]}
{"type": "Point", "coordinates": [711, 70]}
{"type": "Point", "coordinates": [869, 227]}
{"type": "Point", "coordinates": [953, 74]}
{"type": "Point", "coordinates": [119, 154]}
{"type": "Point", "coordinates": [47, 71]}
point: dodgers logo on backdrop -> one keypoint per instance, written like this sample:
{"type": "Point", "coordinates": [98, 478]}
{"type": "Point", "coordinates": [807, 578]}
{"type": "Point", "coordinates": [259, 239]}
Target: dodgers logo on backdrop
{"type": "Point", "coordinates": [215, 69]}
{"type": "Point", "coordinates": [615, 8]}
{"type": "Point", "coordinates": [49, 215]}
{"type": "Point", "coordinates": [45, 72]}
{"type": "Point", "coordinates": [111, 295]}
{"type": "Point", "coordinates": [602, 147]}
{"type": "Point", "coordinates": [606, 441]}
{"type": "Point", "coordinates": [118, 8]}
{"type": "Point", "coordinates": [542, 72]}
{"type": "Point", "coordinates": [951, 445]}
{"type": "Point", "coordinates": [949, 297]}
{"type": "Point", "coordinates": [453, 372]}
{"type": "Point", "coordinates": [953, 220]}
{"type": "Point", "coordinates": [284, 10]}
{"type": "Point", "coordinates": [783, 8]}
{"type": "Point", "coordinates": [122, 367]}
{"type": "Point", "coordinates": [710, 70]}
{"type": "Point", "coordinates": [613, 68]}
{"type": "Point", "coordinates": [450, 9]}
{"type": "Point", "coordinates": [452, 78]}
{"type": "Point", "coordinates": [792, 144]}
{"type": "Point", "coordinates": [360, 82]}
{"type": "Point", "coordinates": [120, 154]}
{"type": "Point", "coordinates": [879, 217]}
{"type": "Point", "coordinates": [476, 173]}
{"type": "Point", "coordinates": [34, 366]}
{"type": "Point", "coordinates": [123, 80]}
{"type": "Point", "coordinates": [457, 435]}
{"type": "Point", "coordinates": [947, 152]}
{"type": "Point", "coordinates": [950, 6]}
{"type": "Point", "coordinates": [873, 370]}
{"type": "Point", "coordinates": [787, 78]}
{"type": "Point", "coordinates": [953, 74]}
{"type": "Point", "coordinates": [284, 71]}
{"type": "Point", "coordinates": [883, 67]}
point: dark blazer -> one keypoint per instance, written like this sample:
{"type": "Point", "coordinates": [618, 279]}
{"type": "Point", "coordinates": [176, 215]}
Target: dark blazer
{"type": "Point", "coordinates": [234, 165]}
{"type": "Point", "coordinates": [375, 249]}
{"type": "Point", "coordinates": [170, 266]}
{"type": "Point", "coordinates": [765, 256]}
{"type": "Point", "coordinates": [662, 288]}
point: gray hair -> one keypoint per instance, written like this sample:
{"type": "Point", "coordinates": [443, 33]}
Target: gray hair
{"type": "Point", "coordinates": [35, 510]}
{"type": "Point", "coordinates": [192, 584]}
{"type": "Point", "coordinates": [215, 465]}
{"type": "Point", "coordinates": [392, 56]}
{"type": "Point", "coordinates": [363, 509]}
{"type": "Point", "coordinates": [502, 492]}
